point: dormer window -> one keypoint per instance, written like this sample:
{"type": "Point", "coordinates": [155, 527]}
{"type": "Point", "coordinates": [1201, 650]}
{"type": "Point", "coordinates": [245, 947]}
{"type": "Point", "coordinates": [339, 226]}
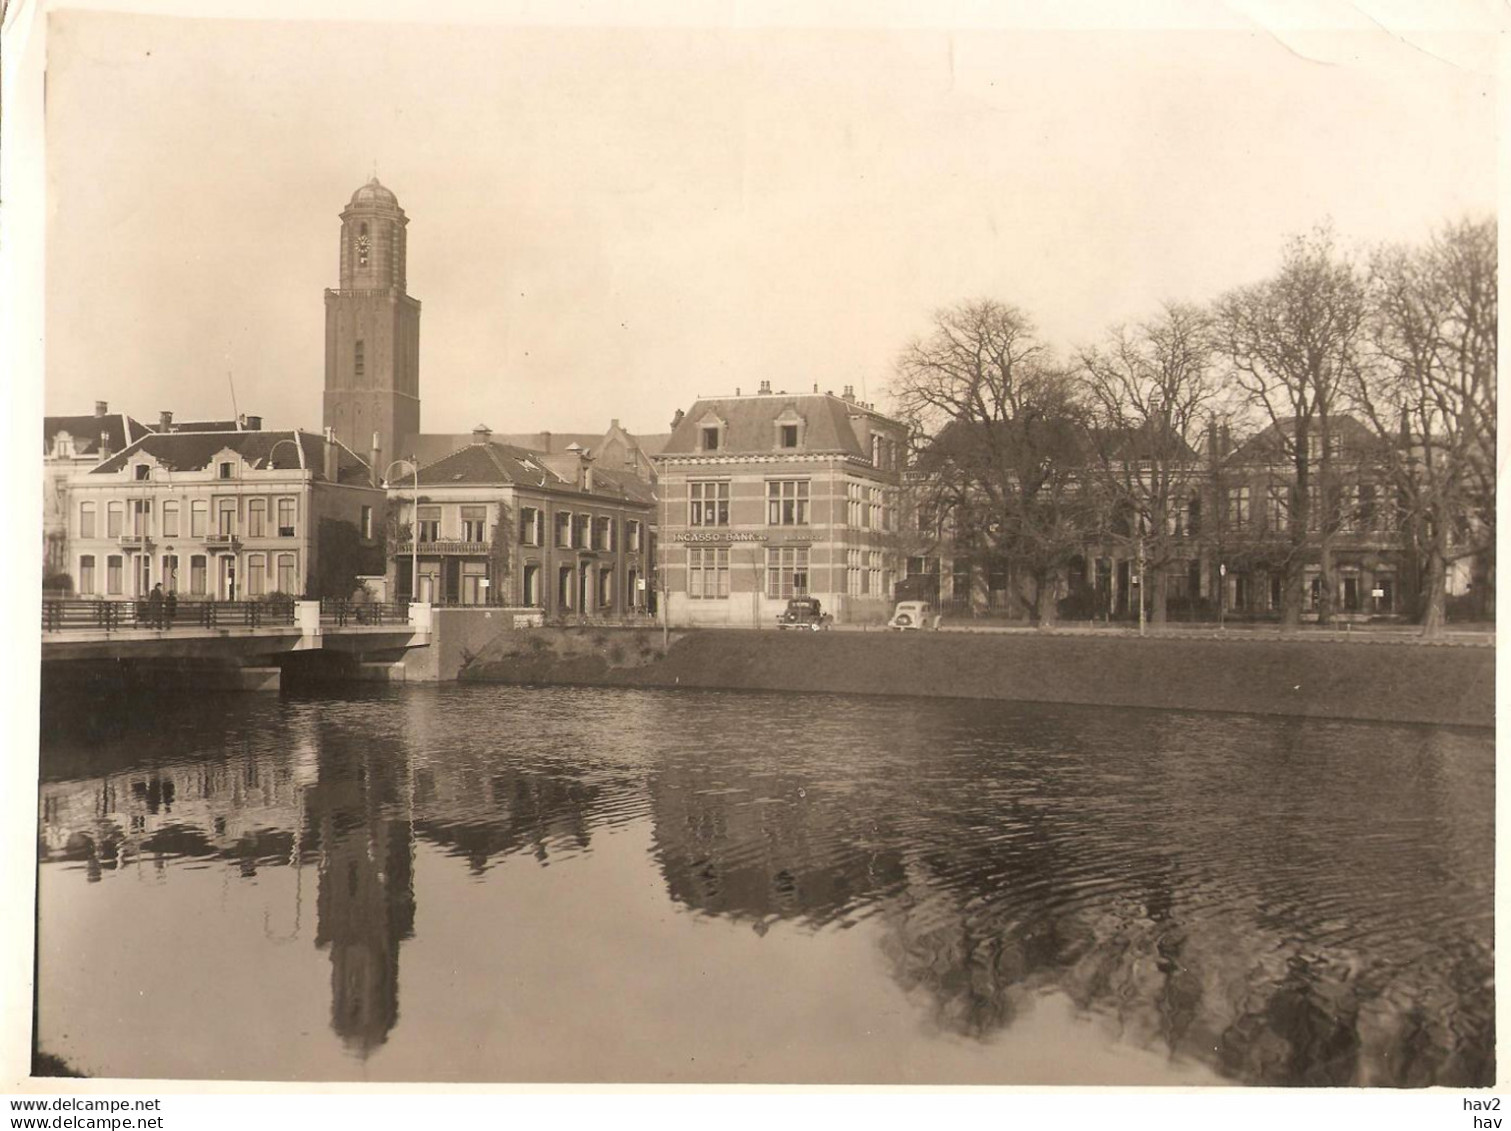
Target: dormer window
{"type": "Point", "coordinates": [224, 470]}
{"type": "Point", "coordinates": [788, 429]}
{"type": "Point", "coordinates": [143, 472]}
{"type": "Point", "coordinates": [711, 438]}
{"type": "Point", "coordinates": [789, 435]}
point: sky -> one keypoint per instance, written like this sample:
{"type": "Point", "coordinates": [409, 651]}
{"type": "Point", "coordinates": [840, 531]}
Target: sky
{"type": "Point", "coordinates": [606, 222]}
{"type": "Point", "coordinates": [609, 221]}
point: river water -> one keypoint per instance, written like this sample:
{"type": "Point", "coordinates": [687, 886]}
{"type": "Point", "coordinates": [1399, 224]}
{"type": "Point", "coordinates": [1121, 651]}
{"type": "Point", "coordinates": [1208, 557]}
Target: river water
{"type": "Point", "coordinates": [468, 883]}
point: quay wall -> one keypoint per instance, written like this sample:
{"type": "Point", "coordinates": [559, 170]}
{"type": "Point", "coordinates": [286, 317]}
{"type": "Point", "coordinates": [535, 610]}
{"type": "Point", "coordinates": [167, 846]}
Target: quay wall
{"type": "Point", "coordinates": [1399, 680]}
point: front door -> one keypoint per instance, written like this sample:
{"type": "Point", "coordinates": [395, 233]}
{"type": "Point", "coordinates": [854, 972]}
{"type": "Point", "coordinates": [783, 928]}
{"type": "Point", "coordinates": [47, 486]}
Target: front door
{"type": "Point", "coordinates": [227, 586]}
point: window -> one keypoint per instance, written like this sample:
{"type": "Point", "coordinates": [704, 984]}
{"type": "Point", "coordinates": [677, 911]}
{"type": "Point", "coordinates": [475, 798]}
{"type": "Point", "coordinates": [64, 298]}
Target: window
{"type": "Point", "coordinates": [143, 472]}
{"type": "Point", "coordinates": [367, 522]}
{"type": "Point", "coordinates": [871, 583]}
{"type": "Point", "coordinates": [711, 438]}
{"type": "Point", "coordinates": [786, 571]}
{"type": "Point", "coordinates": [225, 470]}
{"type": "Point", "coordinates": [606, 587]}
{"type": "Point", "coordinates": [787, 502]}
{"type": "Point", "coordinates": [1238, 507]}
{"type": "Point", "coordinates": [141, 517]}
{"type": "Point", "coordinates": [1277, 511]}
{"type": "Point", "coordinates": [852, 572]}
{"type": "Point", "coordinates": [170, 572]}
{"type": "Point", "coordinates": [359, 360]}
{"type": "Point", "coordinates": [532, 586]}
{"type": "Point", "coordinates": [257, 518]}
{"type": "Point", "coordinates": [855, 507]}
{"type": "Point", "coordinates": [603, 534]}
{"type": "Point", "coordinates": [287, 515]}
{"type": "Point", "coordinates": [474, 524]}
{"type": "Point", "coordinates": [287, 574]}
{"type": "Point", "coordinates": [113, 574]}
{"type": "Point", "coordinates": [563, 530]}
{"type": "Point", "coordinates": [707, 573]}
{"type": "Point", "coordinates": [114, 513]}
{"type": "Point", "coordinates": [429, 524]}
{"type": "Point", "coordinates": [1348, 507]}
{"type": "Point", "coordinates": [708, 504]}
{"type": "Point", "coordinates": [199, 518]}
{"type": "Point", "coordinates": [582, 531]}
{"type": "Point", "coordinates": [873, 503]}
{"type": "Point", "coordinates": [197, 574]}
{"type": "Point", "coordinates": [789, 435]}
{"type": "Point", "coordinates": [564, 588]}
{"type": "Point", "coordinates": [225, 517]}
{"type": "Point", "coordinates": [1366, 519]}
{"type": "Point", "coordinates": [170, 518]}
{"type": "Point", "coordinates": [86, 574]}
{"type": "Point", "coordinates": [1313, 506]}
{"type": "Point", "coordinates": [632, 535]}
{"type": "Point", "coordinates": [86, 520]}
{"type": "Point", "coordinates": [532, 529]}
{"type": "Point", "coordinates": [257, 575]}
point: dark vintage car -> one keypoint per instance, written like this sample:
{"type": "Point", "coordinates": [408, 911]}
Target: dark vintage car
{"type": "Point", "coordinates": [804, 612]}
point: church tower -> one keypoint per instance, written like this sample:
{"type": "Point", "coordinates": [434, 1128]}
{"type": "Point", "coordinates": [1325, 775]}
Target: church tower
{"type": "Point", "coordinates": [372, 331]}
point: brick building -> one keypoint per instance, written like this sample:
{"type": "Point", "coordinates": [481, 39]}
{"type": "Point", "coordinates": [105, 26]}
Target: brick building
{"type": "Point", "coordinates": [773, 495]}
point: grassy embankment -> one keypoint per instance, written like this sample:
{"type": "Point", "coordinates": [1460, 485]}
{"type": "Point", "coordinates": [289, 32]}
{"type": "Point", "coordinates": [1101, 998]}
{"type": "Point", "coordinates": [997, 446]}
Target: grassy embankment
{"type": "Point", "coordinates": [1398, 681]}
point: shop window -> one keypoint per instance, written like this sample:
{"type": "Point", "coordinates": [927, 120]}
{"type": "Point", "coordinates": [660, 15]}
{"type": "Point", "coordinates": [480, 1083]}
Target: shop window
{"type": "Point", "coordinates": [786, 571]}
{"type": "Point", "coordinates": [707, 573]}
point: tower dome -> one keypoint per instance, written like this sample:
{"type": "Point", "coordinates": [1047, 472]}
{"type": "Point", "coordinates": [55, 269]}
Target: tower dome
{"type": "Point", "coordinates": [374, 193]}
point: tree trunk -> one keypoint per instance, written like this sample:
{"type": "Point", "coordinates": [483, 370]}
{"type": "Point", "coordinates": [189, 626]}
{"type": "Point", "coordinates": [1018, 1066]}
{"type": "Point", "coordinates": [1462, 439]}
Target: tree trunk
{"type": "Point", "coordinates": [1327, 581]}
{"type": "Point", "coordinates": [1044, 598]}
{"type": "Point", "coordinates": [1161, 601]}
{"type": "Point", "coordinates": [1434, 598]}
{"type": "Point", "coordinates": [1292, 596]}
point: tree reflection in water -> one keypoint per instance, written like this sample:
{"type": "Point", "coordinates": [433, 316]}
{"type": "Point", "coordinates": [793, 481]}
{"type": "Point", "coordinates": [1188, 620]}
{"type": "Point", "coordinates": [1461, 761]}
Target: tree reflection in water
{"type": "Point", "coordinates": [1287, 903]}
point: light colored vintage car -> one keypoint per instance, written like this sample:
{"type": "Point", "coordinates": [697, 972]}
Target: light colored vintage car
{"type": "Point", "coordinates": [913, 615]}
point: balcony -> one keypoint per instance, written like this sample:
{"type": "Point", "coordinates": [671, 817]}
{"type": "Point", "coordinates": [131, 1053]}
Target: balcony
{"type": "Point", "coordinates": [136, 541]}
{"type": "Point", "coordinates": [444, 547]}
{"type": "Point", "coordinates": [223, 541]}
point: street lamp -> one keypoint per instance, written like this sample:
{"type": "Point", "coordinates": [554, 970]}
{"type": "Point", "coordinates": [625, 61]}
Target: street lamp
{"type": "Point", "coordinates": [414, 525]}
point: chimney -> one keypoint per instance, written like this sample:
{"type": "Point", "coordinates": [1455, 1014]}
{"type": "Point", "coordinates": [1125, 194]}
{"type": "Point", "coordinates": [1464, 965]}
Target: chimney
{"type": "Point", "coordinates": [545, 441]}
{"type": "Point", "coordinates": [849, 393]}
{"type": "Point", "coordinates": [481, 434]}
{"type": "Point", "coordinates": [677, 419]}
{"type": "Point", "coordinates": [815, 386]}
{"type": "Point", "coordinates": [737, 390]}
{"type": "Point", "coordinates": [375, 460]}
{"type": "Point", "coordinates": [165, 421]}
{"type": "Point", "coordinates": [253, 423]}
{"type": "Point", "coordinates": [101, 408]}
{"type": "Point", "coordinates": [332, 462]}
{"type": "Point", "coordinates": [765, 386]}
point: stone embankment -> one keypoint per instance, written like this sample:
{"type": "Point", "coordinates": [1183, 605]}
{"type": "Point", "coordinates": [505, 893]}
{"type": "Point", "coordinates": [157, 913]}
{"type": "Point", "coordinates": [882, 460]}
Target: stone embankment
{"type": "Point", "coordinates": [1400, 680]}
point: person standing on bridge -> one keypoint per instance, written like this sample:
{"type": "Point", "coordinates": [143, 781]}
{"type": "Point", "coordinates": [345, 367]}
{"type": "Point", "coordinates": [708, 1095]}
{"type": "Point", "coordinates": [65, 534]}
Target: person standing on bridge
{"type": "Point", "coordinates": [155, 606]}
{"type": "Point", "coordinates": [170, 608]}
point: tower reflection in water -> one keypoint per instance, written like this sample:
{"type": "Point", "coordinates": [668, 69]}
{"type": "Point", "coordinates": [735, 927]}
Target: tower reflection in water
{"type": "Point", "coordinates": [1112, 860]}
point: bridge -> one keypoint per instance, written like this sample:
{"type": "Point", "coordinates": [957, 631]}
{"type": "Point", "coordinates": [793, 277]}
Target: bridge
{"type": "Point", "coordinates": [246, 637]}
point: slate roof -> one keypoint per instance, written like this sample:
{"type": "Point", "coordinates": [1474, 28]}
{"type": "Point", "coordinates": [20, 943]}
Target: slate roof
{"type": "Point", "coordinates": [86, 431]}
{"type": "Point", "coordinates": [193, 451]}
{"type": "Point", "coordinates": [497, 465]}
{"type": "Point", "coordinates": [750, 424]}
{"type": "Point", "coordinates": [1354, 439]}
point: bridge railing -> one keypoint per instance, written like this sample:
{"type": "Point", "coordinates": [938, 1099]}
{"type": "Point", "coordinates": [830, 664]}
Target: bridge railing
{"type": "Point", "coordinates": [87, 615]}
{"type": "Point", "coordinates": [342, 612]}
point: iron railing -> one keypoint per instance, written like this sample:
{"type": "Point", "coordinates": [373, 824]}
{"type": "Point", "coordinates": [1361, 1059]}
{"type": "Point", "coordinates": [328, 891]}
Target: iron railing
{"type": "Point", "coordinates": [342, 611]}
{"type": "Point", "coordinates": [85, 614]}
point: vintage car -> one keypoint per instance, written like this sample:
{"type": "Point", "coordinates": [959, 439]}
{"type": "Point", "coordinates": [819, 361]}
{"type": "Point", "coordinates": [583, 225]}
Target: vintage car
{"type": "Point", "coordinates": [804, 612]}
{"type": "Point", "coordinates": [913, 615]}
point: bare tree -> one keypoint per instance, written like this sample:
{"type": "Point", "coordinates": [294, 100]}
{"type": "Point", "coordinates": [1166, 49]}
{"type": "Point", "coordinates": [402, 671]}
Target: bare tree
{"type": "Point", "coordinates": [1292, 342]}
{"type": "Point", "coordinates": [1003, 436]}
{"type": "Point", "coordinates": [1430, 395]}
{"type": "Point", "coordinates": [1152, 389]}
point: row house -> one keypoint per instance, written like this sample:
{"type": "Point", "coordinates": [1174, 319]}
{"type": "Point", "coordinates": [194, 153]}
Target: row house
{"type": "Point", "coordinates": [1223, 545]}
{"type": "Point", "coordinates": [225, 516]}
{"type": "Point", "coordinates": [493, 524]}
{"type": "Point", "coordinates": [773, 495]}
{"type": "Point", "coordinates": [72, 445]}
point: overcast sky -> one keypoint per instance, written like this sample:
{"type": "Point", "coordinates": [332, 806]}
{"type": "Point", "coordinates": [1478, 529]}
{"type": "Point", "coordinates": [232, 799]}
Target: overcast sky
{"type": "Point", "coordinates": [608, 222]}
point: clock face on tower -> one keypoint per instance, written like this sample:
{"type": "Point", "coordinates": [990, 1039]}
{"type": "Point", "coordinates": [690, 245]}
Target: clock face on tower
{"type": "Point", "coordinates": [362, 250]}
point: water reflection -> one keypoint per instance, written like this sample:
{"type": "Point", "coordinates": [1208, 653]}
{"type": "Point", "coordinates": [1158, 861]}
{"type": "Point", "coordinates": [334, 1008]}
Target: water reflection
{"type": "Point", "coordinates": [1302, 904]}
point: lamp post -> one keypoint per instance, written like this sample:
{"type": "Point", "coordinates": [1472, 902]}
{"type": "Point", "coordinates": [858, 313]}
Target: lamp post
{"type": "Point", "coordinates": [414, 524]}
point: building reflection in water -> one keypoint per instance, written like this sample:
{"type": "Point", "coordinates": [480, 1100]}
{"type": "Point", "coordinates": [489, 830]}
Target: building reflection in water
{"type": "Point", "coordinates": [1217, 943]}
{"type": "Point", "coordinates": [1247, 895]}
